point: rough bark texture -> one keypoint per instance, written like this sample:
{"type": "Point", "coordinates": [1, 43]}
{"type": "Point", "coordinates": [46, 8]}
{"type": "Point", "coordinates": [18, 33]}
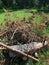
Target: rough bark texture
{"type": "Point", "coordinates": [24, 48]}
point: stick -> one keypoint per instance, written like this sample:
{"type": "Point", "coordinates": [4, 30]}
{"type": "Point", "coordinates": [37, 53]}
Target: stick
{"type": "Point", "coordinates": [17, 51]}
{"type": "Point", "coordinates": [14, 33]}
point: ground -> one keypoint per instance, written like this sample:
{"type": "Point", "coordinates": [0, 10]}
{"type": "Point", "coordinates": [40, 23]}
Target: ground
{"type": "Point", "coordinates": [44, 54]}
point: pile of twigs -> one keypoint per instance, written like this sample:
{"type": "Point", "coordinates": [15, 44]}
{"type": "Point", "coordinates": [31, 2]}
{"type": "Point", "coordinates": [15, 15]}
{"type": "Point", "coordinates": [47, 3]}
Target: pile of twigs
{"type": "Point", "coordinates": [22, 32]}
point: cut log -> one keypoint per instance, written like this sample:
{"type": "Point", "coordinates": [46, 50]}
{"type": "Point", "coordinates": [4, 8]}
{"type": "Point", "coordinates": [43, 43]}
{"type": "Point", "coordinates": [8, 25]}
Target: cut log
{"type": "Point", "coordinates": [18, 51]}
{"type": "Point", "coordinates": [25, 48]}
{"type": "Point", "coordinates": [28, 47]}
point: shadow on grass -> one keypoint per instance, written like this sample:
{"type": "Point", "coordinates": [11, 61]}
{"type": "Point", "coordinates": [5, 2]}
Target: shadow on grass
{"type": "Point", "coordinates": [22, 62]}
{"type": "Point", "coordinates": [1, 11]}
{"type": "Point", "coordinates": [19, 61]}
{"type": "Point", "coordinates": [17, 9]}
{"type": "Point", "coordinates": [44, 10]}
{"type": "Point", "coordinates": [15, 61]}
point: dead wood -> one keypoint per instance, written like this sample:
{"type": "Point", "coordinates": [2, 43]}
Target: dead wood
{"type": "Point", "coordinates": [18, 51]}
{"type": "Point", "coordinates": [28, 47]}
{"type": "Point", "coordinates": [25, 48]}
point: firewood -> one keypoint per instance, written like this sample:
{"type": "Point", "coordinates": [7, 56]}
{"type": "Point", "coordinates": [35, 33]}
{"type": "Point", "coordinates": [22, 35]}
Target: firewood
{"type": "Point", "coordinates": [28, 47]}
{"type": "Point", "coordinates": [25, 48]}
{"type": "Point", "coordinates": [17, 51]}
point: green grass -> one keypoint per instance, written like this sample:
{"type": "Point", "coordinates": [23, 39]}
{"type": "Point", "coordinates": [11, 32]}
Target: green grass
{"type": "Point", "coordinates": [20, 14]}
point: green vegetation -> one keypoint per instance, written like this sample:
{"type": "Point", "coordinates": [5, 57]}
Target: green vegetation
{"type": "Point", "coordinates": [20, 14]}
{"type": "Point", "coordinates": [13, 14]}
{"type": "Point", "coordinates": [19, 4]}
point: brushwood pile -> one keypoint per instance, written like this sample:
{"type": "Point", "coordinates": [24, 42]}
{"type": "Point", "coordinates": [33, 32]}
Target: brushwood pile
{"type": "Point", "coordinates": [22, 32]}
